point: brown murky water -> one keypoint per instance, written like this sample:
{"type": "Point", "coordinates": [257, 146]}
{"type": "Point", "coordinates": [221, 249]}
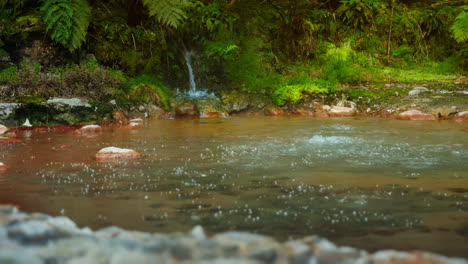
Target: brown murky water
{"type": "Point", "coordinates": [365, 182]}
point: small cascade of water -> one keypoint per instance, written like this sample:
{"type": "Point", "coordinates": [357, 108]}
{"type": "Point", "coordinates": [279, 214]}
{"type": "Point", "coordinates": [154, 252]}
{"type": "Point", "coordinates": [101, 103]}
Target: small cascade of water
{"type": "Point", "coordinates": [188, 61]}
{"type": "Point", "coordinates": [193, 92]}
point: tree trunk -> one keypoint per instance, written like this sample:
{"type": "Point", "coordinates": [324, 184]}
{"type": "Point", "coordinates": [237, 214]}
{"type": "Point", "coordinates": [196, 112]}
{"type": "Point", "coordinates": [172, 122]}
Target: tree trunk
{"type": "Point", "coordinates": [135, 12]}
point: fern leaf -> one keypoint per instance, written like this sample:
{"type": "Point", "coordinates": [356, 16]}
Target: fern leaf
{"type": "Point", "coordinates": [460, 27]}
{"type": "Point", "coordinates": [169, 12]}
{"type": "Point", "coordinates": [67, 20]}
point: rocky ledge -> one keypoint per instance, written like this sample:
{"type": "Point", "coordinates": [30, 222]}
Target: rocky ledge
{"type": "Point", "coordinates": [39, 238]}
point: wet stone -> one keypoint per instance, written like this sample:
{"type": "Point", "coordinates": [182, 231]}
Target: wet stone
{"type": "Point", "coordinates": [298, 253]}
{"type": "Point", "coordinates": [265, 254]}
{"type": "Point", "coordinates": [3, 129]}
{"type": "Point", "coordinates": [38, 238]}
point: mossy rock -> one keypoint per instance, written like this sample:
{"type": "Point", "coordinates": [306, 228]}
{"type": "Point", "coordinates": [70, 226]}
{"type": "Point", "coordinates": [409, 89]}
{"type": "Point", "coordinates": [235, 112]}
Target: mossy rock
{"type": "Point", "coordinates": [48, 114]}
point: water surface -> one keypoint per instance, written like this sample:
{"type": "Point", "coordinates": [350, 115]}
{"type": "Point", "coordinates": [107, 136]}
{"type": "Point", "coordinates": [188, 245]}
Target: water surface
{"type": "Point", "coordinates": [364, 182]}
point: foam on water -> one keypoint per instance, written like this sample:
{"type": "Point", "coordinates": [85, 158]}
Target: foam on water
{"type": "Point", "coordinates": [331, 140]}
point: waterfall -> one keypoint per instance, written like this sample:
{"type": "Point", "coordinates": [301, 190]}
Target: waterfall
{"type": "Point", "coordinates": [193, 92]}
{"type": "Point", "coordinates": [188, 61]}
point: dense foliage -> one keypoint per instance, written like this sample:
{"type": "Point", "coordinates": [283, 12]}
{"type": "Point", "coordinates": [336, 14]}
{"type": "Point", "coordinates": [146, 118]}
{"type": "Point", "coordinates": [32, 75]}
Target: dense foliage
{"type": "Point", "coordinates": [283, 48]}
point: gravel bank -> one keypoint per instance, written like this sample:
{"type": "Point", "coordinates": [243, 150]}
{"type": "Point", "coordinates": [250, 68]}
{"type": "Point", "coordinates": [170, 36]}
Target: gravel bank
{"type": "Point", "coordinates": [39, 238]}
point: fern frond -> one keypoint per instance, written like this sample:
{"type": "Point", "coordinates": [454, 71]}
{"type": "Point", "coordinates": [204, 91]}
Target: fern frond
{"type": "Point", "coordinates": [169, 12]}
{"type": "Point", "coordinates": [460, 27]}
{"type": "Point", "coordinates": [67, 20]}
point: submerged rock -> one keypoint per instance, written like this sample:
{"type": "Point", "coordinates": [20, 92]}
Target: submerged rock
{"type": "Point", "coordinates": [134, 125]}
{"type": "Point", "coordinates": [136, 120]}
{"type": "Point", "coordinates": [3, 167]}
{"type": "Point", "coordinates": [114, 153]}
{"type": "Point", "coordinates": [415, 115]}
{"type": "Point", "coordinates": [302, 112]}
{"type": "Point", "coordinates": [187, 111]}
{"type": "Point", "coordinates": [214, 115]}
{"type": "Point", "coordinates": [88, 129]}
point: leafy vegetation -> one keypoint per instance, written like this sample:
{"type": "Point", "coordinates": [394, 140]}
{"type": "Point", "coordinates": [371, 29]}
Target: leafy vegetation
{"type": "Point", "coordinates": [148, 89]}
{"type": "Point", "coordinates": [460, 27]}
{"type": "Point", "coordinates": [67, 20]}
{"type": "Point", "coordinates": [285, 49]}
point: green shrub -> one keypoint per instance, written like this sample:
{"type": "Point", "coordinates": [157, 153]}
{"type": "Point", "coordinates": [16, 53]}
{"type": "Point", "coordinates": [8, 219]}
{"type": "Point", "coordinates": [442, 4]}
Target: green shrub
{"type": "Point", "coordinates": [8, 75]}
{"type": "Point", "coordinates": [340, 65]}
{"type": "Point", "coordinates": [78, 80]}
{"type": "Point", "coordinates": [251, 70]}
{"type": "Point", "coordinates": [450, 65]}
{"type": "Point", "coordinates": [147, 89]}
{"type": "Point", "coordinates": [89, 80]}
{"type": "Point", "coordinates": [294, 91]}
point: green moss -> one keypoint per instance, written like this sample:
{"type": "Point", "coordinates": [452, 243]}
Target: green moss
{"type": "Point", "coordinates": [30, 99]}
{"type": "Point", "coordinates": [8, 75]}
{"type": "Point", "coordinates": [377, 94]}
{"type": "Point", "coordinates": [145, 89]}
{"type": "Point", "coordinates": [293, 93]}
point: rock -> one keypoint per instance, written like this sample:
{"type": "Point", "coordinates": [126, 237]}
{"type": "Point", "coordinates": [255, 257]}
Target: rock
{"type": "Point", "coordinates": [461, 116]}
{"type": "Point", "coordinates": [214, 115]}
{"type": "Point", "coordinates": [444, 112]}
{"type": "Point", "coordinates": [63, 104]}
{"type": "Point", "coordinates": [39, 238]}
{"type": "Point", "coordinates": [137, 120]}
{"type": "Point", "coordinates": [3, 129]}
{"type": "Point", "coordinates": [198, 232]}
{"type": "Point", "coordinates": [273, 110]}
{"type": "Point", "coordinates": [26, 123]}
{"type": "Point", "coordinates": [342, 111]}
{"type": "Point", "coordinates": [66, 118]}
{"type": "Point", "coordinates": [417, 91]}
{"type": "Point", "coordinates": [3, 167]}
{"type": "Point", "coordinates": [113, 153]}
{"type": "Point", "coordinates": [298, 252]}
{"type": "Point", "coordinates": [415, 115]}
{"type": "Point", "coordinates": [120, 117]}
{"type": "Point", "coordinates": [302, 112]}
{"type": "Point", "coordinates": [321, 114]}
{"type": "Point", "coordinates": [134, 125]}
{"type": "Point", "coordinates": [7, 109]}
{"type": "Point", "coordinates": [187, 111]}
{"type": "Point", "coordinates": [236, 102]}
{"type": "Point", "coordinates": [88, 129]}
{"type": "Point", "coordinates": [326, 108]}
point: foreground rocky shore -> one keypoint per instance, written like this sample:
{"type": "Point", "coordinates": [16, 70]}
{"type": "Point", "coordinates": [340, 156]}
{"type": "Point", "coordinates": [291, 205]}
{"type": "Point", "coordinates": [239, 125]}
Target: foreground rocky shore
{"type": "Point", "coordinates": [39, 238]}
